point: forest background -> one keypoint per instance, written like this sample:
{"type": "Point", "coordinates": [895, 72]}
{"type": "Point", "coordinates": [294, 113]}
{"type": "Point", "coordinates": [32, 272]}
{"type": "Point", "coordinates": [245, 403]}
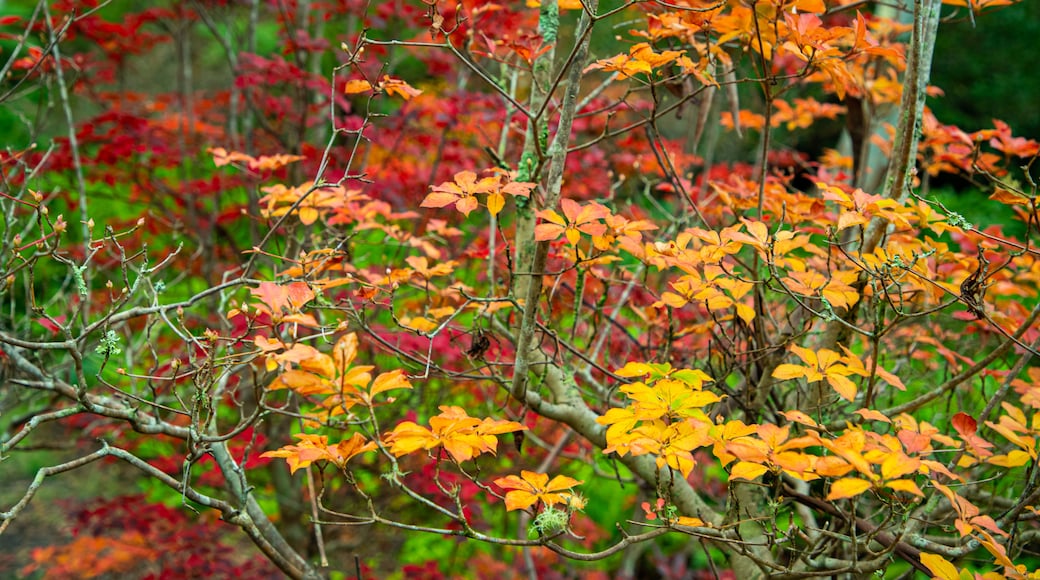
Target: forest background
{"type": "Point", "coordinates": [219, 214]}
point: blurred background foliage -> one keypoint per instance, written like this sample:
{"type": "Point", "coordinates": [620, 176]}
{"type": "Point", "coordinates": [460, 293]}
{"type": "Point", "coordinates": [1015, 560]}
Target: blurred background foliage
{"type": "Point", "coordinates": [987, 71]}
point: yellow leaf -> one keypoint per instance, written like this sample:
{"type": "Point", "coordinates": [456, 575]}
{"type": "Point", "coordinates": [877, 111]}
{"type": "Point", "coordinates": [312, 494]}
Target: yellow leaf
{"type": "Point", "coordinates": [321, 364]}
{"type": "Point", "coordinates": [464, 445]}
{"type": "Point", "coordinates": [905, 485]}
{"type": "Point", "coordinates": [345, 351]}
{"type": "Point", "coordinates": [308, 215]}
{"type": "Point", "coordinates": [692, 522]}
{"type": "Point", "coordinates": [872, 415]}
{"type": "Point", "coordinates": [847, 487]}
{"type": "Point", "coordinates": [418, 323]}
{"type": "Point", "coordinates": [1014, 458]}
{"type": "Point", "coordinates": [408, 437]}
{"type": "Point", "coordinates": [634, 369]}
{"type": "Point", "coordinates": [495, 203]}
{"type": "Point", "coordinates": [788, 371]}
{"type": "Point", "coordinates": [518, 500]}
{"type": "Point", "coordinates": [941, 567]}
{"type": "Point", "coordinates": [532, 487]}
{"type": "Point", "coordinates": [851, 218]}
{"type": "Point", "coordinates": [845, 387]}
{"type": "Point", "coordinates": [800, 417]}
{"type": "Point", "coordinates": [745, 312]}
{"type": "Point", "coordinates": [748, 471]}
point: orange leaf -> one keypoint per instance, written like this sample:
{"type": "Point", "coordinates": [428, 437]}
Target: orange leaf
{"type": "Point", "coordinates": [872, 415]}
{"type": "Point", "coordinates": [848, 487]}
{"type": "Point", "coordinates": [388, 381]}
{"type": "Point", "coordinates": [1009, 197]}
{"type": "Point", "coordinates": [692, 522]}
{"type": "Point", "coordinates": [532, 487]}
{"type": "Point", "coordinates": [349, 448]}
{"type": "Point", "coordinates": [439, 199]}
{"type": "Point", "coordinates": [345, 351]}
{"type": "Point", "coordinates": [408, 437]}
{"type": "Point", "coordinates": [301, 382]}
{"type": "Point", "coordinates": [467, 204]}
{"type": "Point", "coordinates": [398, 87]}
{"type": "Point", "coordinates": [799, 417]}
{"type": "Point", "coordinates": [357, 86]}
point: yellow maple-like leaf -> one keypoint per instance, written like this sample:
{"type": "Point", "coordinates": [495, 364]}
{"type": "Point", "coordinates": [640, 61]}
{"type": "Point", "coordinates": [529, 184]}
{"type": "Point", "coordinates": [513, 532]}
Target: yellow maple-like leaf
{"type": "Point", "coordinates": [311, 448]}
{"type": "Point", "coordinates": [408, 437]}
{"type": "Point", "coordinates": [531, 487]}
{"type": "Point", "coordinates": [462, 436]}
{"type": "Point", "coordinates": [723, 434]}
{"type": "Point", "coordinates": [621, 421]}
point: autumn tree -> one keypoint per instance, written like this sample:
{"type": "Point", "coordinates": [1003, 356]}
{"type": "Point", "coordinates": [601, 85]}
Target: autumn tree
{"type": "Point", "coordinates": [540, 285]}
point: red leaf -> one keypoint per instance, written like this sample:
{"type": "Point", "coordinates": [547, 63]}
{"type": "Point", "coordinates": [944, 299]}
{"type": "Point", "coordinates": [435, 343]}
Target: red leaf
{"type": "Point", "coordinates": [965, 424]}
